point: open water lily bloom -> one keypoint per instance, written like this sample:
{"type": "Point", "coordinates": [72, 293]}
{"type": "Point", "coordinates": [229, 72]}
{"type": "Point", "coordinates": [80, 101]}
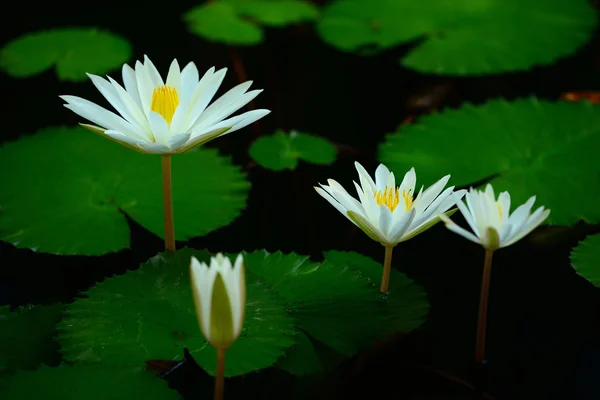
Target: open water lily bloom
{"type": "Point", "coordinates": [220, 298]}
{"type": "Point", "coordinates": [169, 117]}
{"type": "Point", "coordinates": [388, 213]}
{"type": "Point", "coordinates": [490, 219]}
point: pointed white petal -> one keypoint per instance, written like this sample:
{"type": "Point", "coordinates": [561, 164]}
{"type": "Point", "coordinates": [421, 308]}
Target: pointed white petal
{"type": "Point", "coordinates": [174, 77]}
{"type": "Point", "coordinates": [153, 72]}
{"type": "Point", "coordinates": [189, 81]}
{"type": "Point", "coordinates": [159, 127]}
{"type": "Point", "coordinates": [130, 82]}
{"type": "Point", "coordinates": [382, 175]}
{"type": "Point", "coordinates": [176, 141]}
{"type": "Point", "coordinates": [365, 178]}
{"type": "Point", "coordinates": [401, 226]}
{"type": "Point", "coordinates": [223, 107]}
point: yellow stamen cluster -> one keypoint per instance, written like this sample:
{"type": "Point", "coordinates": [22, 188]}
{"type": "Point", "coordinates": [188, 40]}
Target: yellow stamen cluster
{"type": "Point", "coordinates": [391, 197]}
{"type": "Point", "coordinates": [165, 101]}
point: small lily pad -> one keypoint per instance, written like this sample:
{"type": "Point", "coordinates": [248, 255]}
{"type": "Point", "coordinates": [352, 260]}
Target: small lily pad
{"type": "Point", "coordinates": [282, 150]}
{"type": "Point", "coordinates": [149, 314]}
{"type": "Point", "coordinates": [585, 258]}
{"type": "Point", "coordinates": [27, 336]}
{"type": "Point", "coordinates": [238, 22]}
{"type": "Point", "coordinates": [461, 37]}
{"type": "Point", "coordinates": [85, 381]}
{"type": "Point", "coordinates": [74, 51]}
{"type": "Point", "coordinates": [65, 191]}
{"type": "Point", "coordinates": [526, 147]}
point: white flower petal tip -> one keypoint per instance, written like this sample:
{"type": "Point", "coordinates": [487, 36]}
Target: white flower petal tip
{"type": "Point", "coordinates": [492, 224]}
{"type": "Point", "coordinates": [169, 114]}
{"type": "Point", "coordinates": [219, 292]}
{"type": "Point", "coordinates": [387, 213]}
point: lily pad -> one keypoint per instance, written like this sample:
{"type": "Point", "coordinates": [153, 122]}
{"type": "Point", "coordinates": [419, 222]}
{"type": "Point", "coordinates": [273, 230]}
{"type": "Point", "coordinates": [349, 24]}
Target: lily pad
{"type": "Point", "coordinates": [585, 258]}
{"type": "Point", "coordinates": [238, 22]}
{"type": "Point", "coordinates": [74, 51]}
{"type": "Point", "coordinates": [85, 381]}
{"type": "Point", "coordinates": [527, 147]}
{"type": "Point", "coordinates": [462, 37]}
{"type": "Point", "coordinates": [282, 151]}
{"type": "Point", "coordinates": [65, 191]}
{"type": "Point", "coordinates": [406, 303]}
{"type": "Point", "coordinates": [331, 303]}
{"type": "Point", "coordinates": [27, 337]}
{"type": "Point", "coordinates": [148, 314]}
{"type": "Point", "coordinates": [302, 359]}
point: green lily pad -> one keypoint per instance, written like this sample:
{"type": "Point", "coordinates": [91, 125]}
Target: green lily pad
{"type": "Point", "coordinates": [302, 359]}
{"type": "Point", "coordinates": [527, 147]}
{"type": "Point", "coordinates": [85, 381]}
{"type": "Point", "coordinates": [585, 258]}
{"type": "Point", "coordinates": [74, 51]}
{"type": "Point", "coordinates": [148, 314]}
{"type": "Point", "coordinates": [282, 151]}
{"type": "Point", "coordinates": [462, 37]}
{"type": "Point", "coordinates": [331, 303]}
{"type": "Point", "coordinates": [65, 191]}
{"type": "Point", "coordinates": [406, 304]}
{"type": "Point", "coordinates": [238, 22]}
{"type": "Point", "coordinates": [27, 337]}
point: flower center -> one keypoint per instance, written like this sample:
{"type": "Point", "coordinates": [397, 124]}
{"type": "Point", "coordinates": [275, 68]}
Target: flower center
{"type": "Point", "coordinates": [391, 198]}
{"type": "Point", "coordinates": [165, 101]}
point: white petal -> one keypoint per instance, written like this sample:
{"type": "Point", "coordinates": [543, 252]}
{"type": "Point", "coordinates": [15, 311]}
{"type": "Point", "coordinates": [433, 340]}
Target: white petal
{"type": "Point", "coordinates": [154, 148]}
{"type": "Point", "coordinates": [153, 72]}
{"type": "Point", "coordinates": [533, 222]}
{"type": "Point", "coordinates": [365, 178]}
{"type": "Point", "coordinates": [204, 93]}
{"type": "Point", "coordinates": [385, 220]}
{"type": "Point", "coordinates": [174, 77]}
{"type": "Point", "coordinates": [430, 194]}
{"type": "Point", "coordinates": [401, 226]}
{"type": "Point", "coordinates": [382, 177]}
{"type": "Point", "coordinates": [504, 204]}
{"type": "Point", "coordinates": [179, 120]}
{"type": "Point", "coordinates": [338, 206]}
{"type": "Point", "coordinates": [189, 81]}
{"type": "Point", "coordinates": [236, 123]}
{"type": "Point", "coordinates": [145, 87]}
{"type": "Point", "coordinates": [224, 107]}
{"type": "Point", "coordinates": [176, 141]}
{"type": "Point", "coordinates": [409, 181]}
{"type": "Point", "coordinates": [100, 116]}
{"type": "Point", "coordinates": [462, 232]}
{"type": "Point", "coordinates": [159, 127]}
{"type": "Point", "coordinates": [131, 86]}
{"type": "Point", "coordinates": [133, 108]}
{"type": "Point", "coordinates": [108, 91]}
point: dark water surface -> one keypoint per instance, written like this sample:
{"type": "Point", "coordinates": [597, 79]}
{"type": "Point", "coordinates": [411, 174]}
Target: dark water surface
{"type": "Point", "coordinates": [543, 330]}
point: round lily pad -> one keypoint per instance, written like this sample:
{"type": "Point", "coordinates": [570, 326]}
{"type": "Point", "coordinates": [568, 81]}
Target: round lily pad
{"type": "Point", "coordinates": [74, 51]}
{"type": "Point", "coordinates": [148, 314]}
{"type": "Point", "coordinates": [283, 150]}
{"type": "Point", "coordinates": [462, 37]}
{"type": "Point", "coordinates": [238, 22]}
{"type": "Point", "coordinates": [331, 303]}
{"type": "Point", "coordinates": [527, 147]}
{"type": "Point", "coordinates": [585, 258]}
{"type": "Point", "coordinates": [85, 381]}
{"type": "Point", "coordinates": [406, 304]}
{"type": "Point", "coordinates": [65, 191]}
{"type": "Point", "coordinates": [27, 336]}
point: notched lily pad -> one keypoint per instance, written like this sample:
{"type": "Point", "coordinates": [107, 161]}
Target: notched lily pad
{"type": "Point", "coordinates": [283, 150]}
{"type": "Point", "coordinates": [239, 22]}
{"type": "Point", "coordinates": [461, 37]}
{"type": "Point", "coordinates": [74, 51]}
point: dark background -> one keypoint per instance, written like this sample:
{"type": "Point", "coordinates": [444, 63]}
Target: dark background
{"type": "Point", "coordinates": [543, 325]}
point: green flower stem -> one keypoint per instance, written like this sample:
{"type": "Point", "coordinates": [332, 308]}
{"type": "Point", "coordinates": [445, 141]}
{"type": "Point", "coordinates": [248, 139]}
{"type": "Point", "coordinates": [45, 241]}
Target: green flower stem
{"type": "Point", "coordinates": [387, 268]}
{"type": "Point", "coordinates": [483, 302]}
{"type": "Point", "coordinates": [168, 203]}
{"type": "Point", "coordinates": [220, 375]}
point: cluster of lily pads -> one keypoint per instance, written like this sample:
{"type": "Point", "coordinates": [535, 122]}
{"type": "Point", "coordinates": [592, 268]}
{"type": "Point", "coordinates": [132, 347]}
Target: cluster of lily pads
{"type": "Point", "coordinates": [293, 307]}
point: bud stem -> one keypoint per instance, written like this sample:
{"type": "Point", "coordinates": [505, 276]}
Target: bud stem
{"type": "Point", "coordinates": [483, 302]}
{"type": "Point", "coordinates": [169, 225]}
{"type": "Point", "coordinates": [220, 376]}
{"type": "Point", "coordinates": [387, 268]}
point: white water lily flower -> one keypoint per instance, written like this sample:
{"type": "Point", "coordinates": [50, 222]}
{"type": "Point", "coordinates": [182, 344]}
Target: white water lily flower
{"type": "Point", "coordinates": [390, 214]}
{"type": "Point", "coordinates": [169, 117]}
{"type": "Point", "coordinates": [491, 221]}
{"type": "Point", "coordinates": [220, 298]}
